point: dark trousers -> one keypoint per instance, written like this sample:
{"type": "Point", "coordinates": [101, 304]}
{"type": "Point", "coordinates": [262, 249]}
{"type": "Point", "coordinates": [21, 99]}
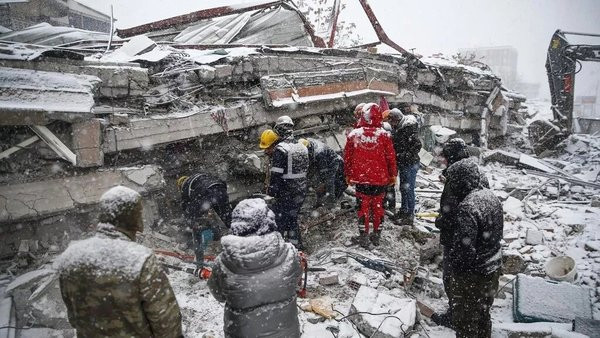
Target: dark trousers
{"type": "Point", "coordinates": [407, 177]}
{"type": "Point", "coordinates": [287, 210]}
{"type": "Point", "coordinates": [472, 296]}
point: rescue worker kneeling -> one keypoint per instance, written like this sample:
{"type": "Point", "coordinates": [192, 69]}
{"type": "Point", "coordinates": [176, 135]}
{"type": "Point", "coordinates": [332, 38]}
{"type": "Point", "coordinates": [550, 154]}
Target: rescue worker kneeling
{"type": "Point", "coordinates": [287, 183]}
{"type": "Point", "coordinates": [206, 209]}
{"type": "Point", "coordinates": [325, 171]}
{"type": "Point", "coordinates": [256, 276]}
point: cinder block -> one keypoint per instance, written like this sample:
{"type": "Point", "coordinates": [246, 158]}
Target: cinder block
{"type": "Point", "coordinates": [331, 279]}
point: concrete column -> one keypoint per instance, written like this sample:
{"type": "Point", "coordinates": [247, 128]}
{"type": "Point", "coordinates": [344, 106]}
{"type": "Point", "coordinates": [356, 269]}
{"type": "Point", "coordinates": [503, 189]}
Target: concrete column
{"type": "Point", "coordinates": [87, 143]}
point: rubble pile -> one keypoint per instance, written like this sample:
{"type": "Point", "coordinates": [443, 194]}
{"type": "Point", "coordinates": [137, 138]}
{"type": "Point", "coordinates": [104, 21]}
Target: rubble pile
{"type": "Point", "coordinates": [181, 107]}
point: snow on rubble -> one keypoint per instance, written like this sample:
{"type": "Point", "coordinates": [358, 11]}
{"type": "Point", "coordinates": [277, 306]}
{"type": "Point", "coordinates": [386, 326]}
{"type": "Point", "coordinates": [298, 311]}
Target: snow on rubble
{"type": "Point", "coordinates": [542, 221]}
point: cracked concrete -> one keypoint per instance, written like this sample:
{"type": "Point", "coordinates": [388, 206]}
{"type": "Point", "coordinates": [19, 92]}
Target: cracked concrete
{"type": "Point", "coordinates": [39, 199]}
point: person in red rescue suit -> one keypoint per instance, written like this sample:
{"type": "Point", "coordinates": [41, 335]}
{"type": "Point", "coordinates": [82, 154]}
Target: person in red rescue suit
{"type": "Point", "coordinates": [370, 164]}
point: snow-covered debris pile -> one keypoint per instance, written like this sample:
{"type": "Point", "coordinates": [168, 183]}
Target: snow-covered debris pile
{"type": "Point", "coordinates": [377, 314]}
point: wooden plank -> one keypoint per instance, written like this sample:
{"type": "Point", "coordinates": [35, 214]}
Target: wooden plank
{"type": "Point", "coordinates": [22, 145]}
{"type": "Point", "coordinates": [55, 144]}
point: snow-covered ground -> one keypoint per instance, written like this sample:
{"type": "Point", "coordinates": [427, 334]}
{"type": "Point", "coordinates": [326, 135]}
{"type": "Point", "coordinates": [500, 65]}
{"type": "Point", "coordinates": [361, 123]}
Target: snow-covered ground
{"type": "Point", "coordinates": [568, 224]}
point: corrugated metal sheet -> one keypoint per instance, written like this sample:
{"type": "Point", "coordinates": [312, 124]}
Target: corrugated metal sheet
{"type": "Point", "coordinates": [274, 26]}
{"type": "Point", "coordinates": [47, 35]}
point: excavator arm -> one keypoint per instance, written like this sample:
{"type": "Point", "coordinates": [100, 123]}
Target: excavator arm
{"type": "Point", "coordinates": [563, 62]}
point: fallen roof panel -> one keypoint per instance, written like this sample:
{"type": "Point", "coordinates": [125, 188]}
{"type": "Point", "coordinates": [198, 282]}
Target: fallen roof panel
{"type": "Point", "coordinates": [33, 97]}
{"type": "Point", "coordinates": [47, 35]}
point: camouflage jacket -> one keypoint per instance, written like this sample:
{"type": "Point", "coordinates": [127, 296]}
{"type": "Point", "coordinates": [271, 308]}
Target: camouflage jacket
{"type": "Point", "coordinates": [115, 287]}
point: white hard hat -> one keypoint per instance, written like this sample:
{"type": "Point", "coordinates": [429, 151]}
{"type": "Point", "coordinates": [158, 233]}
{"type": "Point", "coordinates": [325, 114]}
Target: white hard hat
{"type": "Point", "coordinates": [284, 120]}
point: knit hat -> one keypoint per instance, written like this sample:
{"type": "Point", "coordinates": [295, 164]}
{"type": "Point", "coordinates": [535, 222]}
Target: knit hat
{"type": "Point", "coordinates": [396, 114]}
{"type": "Point", "coordinates": [252, 217]}
{"type": "Point", "coordinates": [455, 150]}
{"type": "Point", "coordinates": [121, 207]}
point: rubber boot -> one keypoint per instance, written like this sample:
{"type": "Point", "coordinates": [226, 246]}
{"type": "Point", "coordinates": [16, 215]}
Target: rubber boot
{"type": "Point", "coordinates": [375, 237]}
{"type": "Point", "coordinates": [409, 220]}
{"type": "Point", "coordinates": [363, 240]}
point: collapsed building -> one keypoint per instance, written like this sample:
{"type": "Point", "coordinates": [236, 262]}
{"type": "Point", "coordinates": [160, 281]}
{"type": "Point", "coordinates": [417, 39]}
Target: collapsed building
{"type": "Point", "coordinates": [192, 93]}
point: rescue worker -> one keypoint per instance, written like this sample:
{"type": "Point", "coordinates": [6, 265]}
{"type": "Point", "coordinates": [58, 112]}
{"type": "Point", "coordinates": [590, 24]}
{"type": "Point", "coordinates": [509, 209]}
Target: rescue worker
{"type": "Point", "coordinates": [475, 253]}
{"type": "Point", "coordinates": [370, 164]}
{"type": "Point", "coordinates": [326, 170]}
{"type": "Point", "coordinates": [112, 286]}
{"type": "Point", "coordinates": [256, 276]}
{"type": "Point", "coordinates": [454, 150]}
{"type": "Point", "coordinates": [284, 127]}
{"type": "Point", "coordinates": [205, 205]}
{"type": "Point", "coordinates": [287, 182]}
{"type": "Point", "coordinates": [407, 146]}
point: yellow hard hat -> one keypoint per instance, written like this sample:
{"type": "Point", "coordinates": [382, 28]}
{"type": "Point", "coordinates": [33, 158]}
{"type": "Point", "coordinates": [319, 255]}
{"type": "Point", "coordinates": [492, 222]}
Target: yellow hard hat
{"type": "Point", "coordinates": [267, 138]}
{"type": "Point", "coordinates": [304, 142]}
{"type": "Point", "coordinates": [181, 181]}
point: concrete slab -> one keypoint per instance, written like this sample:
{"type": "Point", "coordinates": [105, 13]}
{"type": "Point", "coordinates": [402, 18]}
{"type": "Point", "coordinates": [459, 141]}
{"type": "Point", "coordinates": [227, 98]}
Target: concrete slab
{"type": "Point", "coordinates": [45, 198]}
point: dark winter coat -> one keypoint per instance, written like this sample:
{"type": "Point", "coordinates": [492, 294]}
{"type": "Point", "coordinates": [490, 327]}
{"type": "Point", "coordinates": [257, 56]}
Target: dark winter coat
{"type": "Point", "coordinates": [407, 144]}
{"type": "Point", "coordinates": [454, 192]}
{"type": "Point", "coordinates": [369, 156]}
{"type": "Point", "coordinates": [256, 277]}
{"type": "Point", "coordinates": [478, 221]}
{"type": "Point", "coordinates": [322, 159]}
{"type": "Point", "coordinates": [289, 169]}
{"type": "Point", "coordinates": [201, 192]}
{"type": "Point", "coordinates": [114, 287]}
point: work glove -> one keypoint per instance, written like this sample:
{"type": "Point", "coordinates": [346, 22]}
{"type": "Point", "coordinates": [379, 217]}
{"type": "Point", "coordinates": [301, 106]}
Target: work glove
{"type": "Point", "coordinates": [348, 182]}
{"type": "Point", "coordinates": [392, 181]}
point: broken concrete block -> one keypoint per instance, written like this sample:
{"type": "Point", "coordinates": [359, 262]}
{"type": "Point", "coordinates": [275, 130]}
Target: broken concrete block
{"type": "Point", "coordinates": [513, 263]}
{"type": "Point", "coordinates": [356, 281]}
{"type": "Point", "coordinates": [527, 161]}
{"type": "Point", "coordinates": [534, 237]}
{"type": "Point", "coordinates": [514, 208]}
{"type": "Point", "coordinates": [206, 73]}
{"type": "Point", "coordinates": [401, 313]}
{"type": "Point", "coordinates": [47, 333]}
{"type": "Point", "coordinates": [430, 250]}
{"type": "Point", "coordinates": [587, 326]}
{"type": "Point", "coordinates": [223, 71]}
{"type": "Point", "coordinates": [501, 156]}
{"type": "Point", "coordinates": [595, 202]}
{"type": "Point", "coordinates": [331, 279]}
{"type": "Point", "coordinates": [532, 330]}
{"type": "Point", "coordinates": [592, 246]}
{"type": "Point", "coordinates": [119, 119]}
{"type": "Point", "coordinates": [540, 300]}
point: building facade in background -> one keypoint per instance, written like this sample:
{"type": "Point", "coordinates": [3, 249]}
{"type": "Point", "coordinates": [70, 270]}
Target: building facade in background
{"type": "Point", "coordinates": [20, 14]}
{"type": "Point", "coordinates": [502, 59]}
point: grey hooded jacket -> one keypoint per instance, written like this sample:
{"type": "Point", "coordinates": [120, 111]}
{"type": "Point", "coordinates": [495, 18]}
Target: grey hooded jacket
{"type": "Point", "coordinates": [256, 277]}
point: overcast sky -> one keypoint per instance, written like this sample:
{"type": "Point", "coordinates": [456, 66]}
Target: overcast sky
{"type": "Point", "coordinates": [428, 26]}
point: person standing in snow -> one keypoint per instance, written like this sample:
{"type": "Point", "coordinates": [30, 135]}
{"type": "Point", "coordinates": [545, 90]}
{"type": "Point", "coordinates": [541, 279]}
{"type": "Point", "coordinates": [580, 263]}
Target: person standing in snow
{"type": "Point", "coordinates": [454, 150]}
{"type": "Point", "coordinates": [370, 164]}
{"type": "Point", "coordinates": [256, 276]}
{"type": "Point", "coordinates": [205, 205]}
{"type": "Point", "coordinates": [112, 286]}
{"type": "Point", "coordinates": [326, 169]}
{"type": "Point", "coordinates": [287, 182]}
{"type": "Point", "coordinates": [475, 252]}
{"type": "Point", "coordinates": [407, 146]}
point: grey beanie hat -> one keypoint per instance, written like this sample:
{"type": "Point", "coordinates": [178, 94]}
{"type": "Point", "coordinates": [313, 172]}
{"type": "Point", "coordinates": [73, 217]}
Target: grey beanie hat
{"type": "Point", "coordinates": [252, 217]}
